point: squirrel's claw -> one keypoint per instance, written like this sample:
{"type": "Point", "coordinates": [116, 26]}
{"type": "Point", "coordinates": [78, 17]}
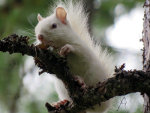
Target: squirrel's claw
{"type": "Point", "coordinates": [57, 107]}
{"type": "Point", "coordinates": [80, 83]}
{"type": "Point", "coordinates": [66, 49]}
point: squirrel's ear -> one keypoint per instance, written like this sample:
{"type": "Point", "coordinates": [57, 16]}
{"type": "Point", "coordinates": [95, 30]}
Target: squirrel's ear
{"type": "Point", "coordinates": [39, 17]}
{"type": "Point", "coordinates": [61, 14]}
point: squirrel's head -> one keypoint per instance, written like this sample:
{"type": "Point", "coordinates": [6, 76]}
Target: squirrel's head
{"type": "Point", "coordinates": [52, 30]}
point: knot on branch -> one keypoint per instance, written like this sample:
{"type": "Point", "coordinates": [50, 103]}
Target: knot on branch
{"type": "Point", "coordinates": [120, 69]}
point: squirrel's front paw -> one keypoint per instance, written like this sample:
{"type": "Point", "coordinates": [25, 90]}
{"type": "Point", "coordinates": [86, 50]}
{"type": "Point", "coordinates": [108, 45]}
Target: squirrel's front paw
{"type": "Point", "coordinates": [66, 49]}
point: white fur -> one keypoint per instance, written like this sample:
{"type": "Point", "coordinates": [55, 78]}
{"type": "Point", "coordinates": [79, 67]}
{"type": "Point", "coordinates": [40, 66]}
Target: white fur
{"type": "Point", "coordinates": [88, 60]}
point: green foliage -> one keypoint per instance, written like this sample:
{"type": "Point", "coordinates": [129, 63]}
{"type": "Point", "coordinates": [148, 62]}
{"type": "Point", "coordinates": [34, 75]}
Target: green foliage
{"type": "Point", "coordinates": [104, 15]}
{"type": "Point", "coordinates": [9, 77]}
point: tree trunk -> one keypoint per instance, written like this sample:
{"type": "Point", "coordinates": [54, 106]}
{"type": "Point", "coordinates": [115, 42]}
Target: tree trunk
{"type": "Point", "coordinates": [146, 52]}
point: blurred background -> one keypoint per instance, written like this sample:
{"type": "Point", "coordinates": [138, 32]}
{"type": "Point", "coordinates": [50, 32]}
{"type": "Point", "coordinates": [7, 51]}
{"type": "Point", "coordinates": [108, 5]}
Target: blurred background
{"type": "Point", "coordinates": [116, 23]}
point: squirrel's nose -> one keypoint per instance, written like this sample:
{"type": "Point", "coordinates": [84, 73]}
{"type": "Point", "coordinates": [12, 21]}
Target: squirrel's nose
{"type": "Point", "coordinates": [40, 37]}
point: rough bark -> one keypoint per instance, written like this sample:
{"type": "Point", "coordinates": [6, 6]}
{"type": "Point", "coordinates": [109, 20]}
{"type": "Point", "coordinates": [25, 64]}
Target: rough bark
{"type": "Point", "coordinates": [122, 83]}
{"type": "Point", "coordinates": [146, 53]}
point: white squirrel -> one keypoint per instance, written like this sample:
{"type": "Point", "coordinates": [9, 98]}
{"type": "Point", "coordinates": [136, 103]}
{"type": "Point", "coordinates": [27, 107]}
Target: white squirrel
{"type": "Point", "coordinates": [66, 29]}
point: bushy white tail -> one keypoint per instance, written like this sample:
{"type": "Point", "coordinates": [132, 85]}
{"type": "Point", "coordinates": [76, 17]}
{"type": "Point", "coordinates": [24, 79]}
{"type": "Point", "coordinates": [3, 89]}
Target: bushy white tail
{"type": "Point", "coordinates": [79, 22]}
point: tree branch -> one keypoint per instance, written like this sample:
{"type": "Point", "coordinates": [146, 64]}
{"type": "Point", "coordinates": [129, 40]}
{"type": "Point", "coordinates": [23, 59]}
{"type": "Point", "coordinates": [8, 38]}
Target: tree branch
{"type": "Point", "coordinates": [124, 82]}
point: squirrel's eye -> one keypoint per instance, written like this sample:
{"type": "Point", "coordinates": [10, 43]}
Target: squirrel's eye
{"type": "Point", "coordinates": [54, 26]}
